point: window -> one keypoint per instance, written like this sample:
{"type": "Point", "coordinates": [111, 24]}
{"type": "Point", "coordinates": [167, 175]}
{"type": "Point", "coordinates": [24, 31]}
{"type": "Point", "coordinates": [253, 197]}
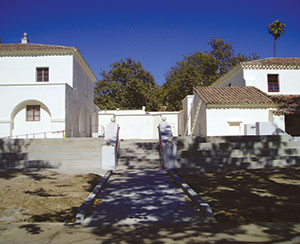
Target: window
{"type": "Point", "coordinates": [33, 113]}
{"type": "Point", "coordinates": [42, 74]}
{"type": "Point", "coordinates": [235, 127]}
{"type": "Point", "coordinates": [273, 83]}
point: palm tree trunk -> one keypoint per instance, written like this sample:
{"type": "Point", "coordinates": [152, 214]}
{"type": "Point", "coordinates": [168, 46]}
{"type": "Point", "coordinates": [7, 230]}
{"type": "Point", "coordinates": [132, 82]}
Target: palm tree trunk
{"type": "Point", "coordinates": [274, 47]}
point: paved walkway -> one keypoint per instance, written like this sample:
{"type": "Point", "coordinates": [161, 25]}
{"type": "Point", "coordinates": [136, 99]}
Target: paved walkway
{"type": "Point", "coordinates": [142, 196]}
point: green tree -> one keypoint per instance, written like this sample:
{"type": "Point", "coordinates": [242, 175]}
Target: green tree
{"type": "Point", "coordinates": [199, 69]}
{"type": "Point", "coordinates": [194, 70]}
{"type": "Point", "coordinates": [276, 29]}
{"type": "Point", "coordinates": [127, 85]}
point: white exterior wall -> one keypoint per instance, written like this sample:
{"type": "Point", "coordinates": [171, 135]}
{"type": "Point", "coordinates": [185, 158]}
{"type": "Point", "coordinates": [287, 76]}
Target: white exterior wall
{"type": "Point", "coordinates": [217, 119]}
{"type": "Point", "coordinates": [22, 70]}
{"type": "Point", "coordinates": [80, 112]}
{"type": "Point", "coordinates": [289, 80]}
{"type": "Point", "coordinates": [13, 100]}
{"type": "Point", "coordinates": [66, 100]}
{"type": "Point", "coordinates": [186, 115]}
{"type": "Point", "coordinates": [235, 80]}
{"type": "Point", "coordinates": [138, 124]}
{"type": "Point", "coordinates": [200, 121]}
{"type": "Point", "coordinates": [278, 120]}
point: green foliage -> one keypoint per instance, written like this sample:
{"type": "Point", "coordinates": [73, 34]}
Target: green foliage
{"type": "Point", "coordinates": [199, 69]}
{"type": "Point", "coordinates": [276, 29]}
{"type": "Point", "coordinates": [126, 86]}
{"type": "Point", "coordinates": [195, 70]}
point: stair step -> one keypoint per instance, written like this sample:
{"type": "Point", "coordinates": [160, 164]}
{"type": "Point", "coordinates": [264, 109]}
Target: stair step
{"type": "Point", "coordinates": [51, 145]}
{"type": "Point", "coordinates": [240, 145]}
{"type": "Point", "coordinates": [51, 156]}
{"type": "Point", "coordinates": [240, 153]}
{"type": "Point", "coordinates": [193, 140]}
{"type": "Point", "coordinates": [210, 168]}
{"type": "Point", "coordinates": [246, 161]}
{"type": "Point", "coordinates": [71, 164]}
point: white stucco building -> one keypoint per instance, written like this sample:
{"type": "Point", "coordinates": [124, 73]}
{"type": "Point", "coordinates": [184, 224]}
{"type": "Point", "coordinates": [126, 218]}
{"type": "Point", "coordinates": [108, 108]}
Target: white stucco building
{"type": "Point", "coordinates": [226, 110]}
{"type": "Point", "coordinates": [45, 89]}
{"type": "Point", "coordinates": [274, 76]}
{"type": "Point", "coordinates": [265, 90]}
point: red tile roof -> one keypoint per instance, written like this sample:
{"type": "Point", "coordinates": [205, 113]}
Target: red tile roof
{"type": "Point", "coordinates": [274, 61]}
{"type": "Point", "coordinates": [34, 50]}
{"type": "Point", "coordinates": [288, 104]}
{"type": "Point", "coordinates": [233, 95]}
{"type": "Point", "coordinates": [30, 46]}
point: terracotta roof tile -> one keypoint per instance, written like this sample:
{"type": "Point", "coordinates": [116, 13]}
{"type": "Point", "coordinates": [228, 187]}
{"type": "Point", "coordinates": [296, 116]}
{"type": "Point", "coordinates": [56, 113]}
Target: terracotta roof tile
{"type": "Point", "coordinates": [233, 95]}
{"type": "Point", "coordinates": [288, 104]}
{"type": "Point", "coordinates": [34, 50]}
{"type": "Point", "coordinates": [274, 61]}
{"type": "Point", "coordinates": [30, 46]}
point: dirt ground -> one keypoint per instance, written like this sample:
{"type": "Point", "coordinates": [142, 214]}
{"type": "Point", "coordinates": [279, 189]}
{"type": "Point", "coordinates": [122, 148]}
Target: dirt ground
{"type": "Point", "coordinates": [251, 206]}
{"type": "Point", "coordinates": [251, 196]}
{"type": "Point", "coordinates": [38, 196]}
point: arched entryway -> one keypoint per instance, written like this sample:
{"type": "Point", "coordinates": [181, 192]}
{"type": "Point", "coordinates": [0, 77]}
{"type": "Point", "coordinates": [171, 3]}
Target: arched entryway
{"type": "Point", "coordinates": [30, 116]}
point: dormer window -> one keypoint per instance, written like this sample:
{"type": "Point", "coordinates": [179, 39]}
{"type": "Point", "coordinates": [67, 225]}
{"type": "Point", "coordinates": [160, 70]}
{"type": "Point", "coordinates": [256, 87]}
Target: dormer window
{"type": "Point", "coordinates": [273, 83]}
{"type": "Point", "coordinates": [42, 74]}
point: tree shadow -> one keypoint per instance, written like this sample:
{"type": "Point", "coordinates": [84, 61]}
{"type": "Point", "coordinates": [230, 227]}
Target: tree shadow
{"type": "Point", "coordinates": [64, 216]}
{"type": "Point", "coordinates": [14, 158]}
{"type": "Point", "coordinates": [41, 192]}
{"type": "Point", "coordinates": [139, 155]}
{"type": "Point", "coordinates": [226, 153]}
{"type": "Point", "coordinates": [32, 228]}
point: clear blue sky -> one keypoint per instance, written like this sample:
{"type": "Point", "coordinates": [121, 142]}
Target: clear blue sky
{"type": "Point", "coordinates": [156, 33]}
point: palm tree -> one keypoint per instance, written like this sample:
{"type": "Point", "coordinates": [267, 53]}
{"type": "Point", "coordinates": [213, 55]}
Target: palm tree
{"type": "Point", "coordinates": [276, 29]}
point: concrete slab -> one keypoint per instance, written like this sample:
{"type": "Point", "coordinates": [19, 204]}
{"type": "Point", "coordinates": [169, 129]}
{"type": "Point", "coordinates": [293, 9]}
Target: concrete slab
{"type": "Point", "coordinates": [142, 196]}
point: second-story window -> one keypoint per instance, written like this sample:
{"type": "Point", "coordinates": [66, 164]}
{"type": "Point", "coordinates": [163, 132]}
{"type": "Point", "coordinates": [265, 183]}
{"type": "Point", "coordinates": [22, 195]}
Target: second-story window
{"type": "Point", "coordinates": [273, 83]}
{"type": "Point", "coordinates": [42, 74]}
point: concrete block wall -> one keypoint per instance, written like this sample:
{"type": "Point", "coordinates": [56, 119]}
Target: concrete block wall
{"type": "Point", "coordinates": [217, 154]}
{"type": "Point", "coordinates": [68, 155]}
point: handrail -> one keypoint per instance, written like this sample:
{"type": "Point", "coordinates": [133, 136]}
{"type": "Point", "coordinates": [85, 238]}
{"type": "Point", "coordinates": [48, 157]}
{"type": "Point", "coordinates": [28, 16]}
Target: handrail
{"type": "Point", "coordinates": [37, 133]}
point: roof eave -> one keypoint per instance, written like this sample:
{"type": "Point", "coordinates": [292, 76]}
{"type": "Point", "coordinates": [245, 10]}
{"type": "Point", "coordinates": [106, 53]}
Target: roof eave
{"type": "Point", "coordinates": [35, 53]}
{"type": "Point", "coordinates": [242, 106]}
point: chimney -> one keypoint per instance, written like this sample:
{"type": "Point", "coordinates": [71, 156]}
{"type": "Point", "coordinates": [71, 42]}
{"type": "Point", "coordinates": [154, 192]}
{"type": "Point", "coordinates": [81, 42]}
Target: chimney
{"type": "Point", "coordinates": [24, 40]}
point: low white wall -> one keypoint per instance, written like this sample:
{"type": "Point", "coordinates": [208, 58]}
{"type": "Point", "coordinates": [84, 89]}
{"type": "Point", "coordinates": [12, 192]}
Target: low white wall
{"type": "Point", "coordinates": [138, 124]}
{"type": "Point", "coordinates": [278, 120]}
{"type": "Point", "coordinates": [218, 120]}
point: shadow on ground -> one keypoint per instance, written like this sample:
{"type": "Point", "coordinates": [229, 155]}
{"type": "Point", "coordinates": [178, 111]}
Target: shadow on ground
{"type": "Point", "coordinates": [269, 194]}
{"type": "Point", "coordinates": [206, 233]}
